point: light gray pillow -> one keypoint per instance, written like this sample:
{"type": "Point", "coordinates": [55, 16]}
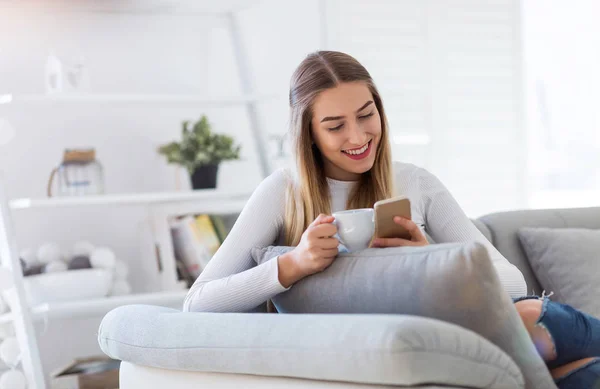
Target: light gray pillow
{"type": "Point", "coordinates": [453, 282]}
{"type": "Point", "coordinates": [566, 261]}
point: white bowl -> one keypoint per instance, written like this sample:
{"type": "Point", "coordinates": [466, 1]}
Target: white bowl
{"type": "Point", "coordinates": [68, 285]}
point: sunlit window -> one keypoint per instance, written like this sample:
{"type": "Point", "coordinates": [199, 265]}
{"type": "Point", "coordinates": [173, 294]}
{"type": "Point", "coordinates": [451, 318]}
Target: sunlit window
{"type": "Point", "coordinates": [562, 60]}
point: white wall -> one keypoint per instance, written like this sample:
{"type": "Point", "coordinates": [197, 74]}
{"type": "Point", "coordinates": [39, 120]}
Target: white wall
{"type": "Point", "coordinates": [131, 52]}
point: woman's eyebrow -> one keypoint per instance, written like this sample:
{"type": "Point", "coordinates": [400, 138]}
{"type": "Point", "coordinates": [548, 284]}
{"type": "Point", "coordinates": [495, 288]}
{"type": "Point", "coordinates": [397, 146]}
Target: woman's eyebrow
{"type": "Point", "coordinates": [364, 106]}
{"type": "Point", "coordinates": [328, 118]}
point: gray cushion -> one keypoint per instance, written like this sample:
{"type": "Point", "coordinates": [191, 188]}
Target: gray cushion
{"type": "Point", "coordinates": [504, 227]}
{"type": "Point", "coordinates": [454, 282]}
{"type": "Point", "coordinates": [483, 229]}
{"type": "Point", "coordinates": [377, 349]}
{"type": "Point", "coordinates": [567, 262]}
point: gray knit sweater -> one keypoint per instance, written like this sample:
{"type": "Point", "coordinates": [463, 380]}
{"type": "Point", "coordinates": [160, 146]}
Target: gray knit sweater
{"type": "Point", "coordinates": [232, 282]}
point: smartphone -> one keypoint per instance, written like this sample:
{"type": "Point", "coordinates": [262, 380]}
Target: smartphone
{"type": "Point", "coordinates": [385, 210]}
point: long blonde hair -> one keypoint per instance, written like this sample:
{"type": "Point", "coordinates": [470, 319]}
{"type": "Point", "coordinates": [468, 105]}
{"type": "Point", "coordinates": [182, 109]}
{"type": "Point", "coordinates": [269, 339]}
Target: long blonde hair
{"type": "Point", "coordinates": [307, 192]}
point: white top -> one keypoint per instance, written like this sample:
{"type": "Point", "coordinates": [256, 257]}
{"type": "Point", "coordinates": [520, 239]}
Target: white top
{"type": "Point", "coordinates": [232, 282]}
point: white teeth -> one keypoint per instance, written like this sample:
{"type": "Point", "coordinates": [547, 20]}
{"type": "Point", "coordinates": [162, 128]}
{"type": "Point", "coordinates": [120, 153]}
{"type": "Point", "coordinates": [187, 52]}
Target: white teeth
{"type": "Point", "coordinates": [359, 151]}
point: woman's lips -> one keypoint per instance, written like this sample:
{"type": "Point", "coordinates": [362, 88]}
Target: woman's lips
{"type": "Point", "coordinates": [362, 155]}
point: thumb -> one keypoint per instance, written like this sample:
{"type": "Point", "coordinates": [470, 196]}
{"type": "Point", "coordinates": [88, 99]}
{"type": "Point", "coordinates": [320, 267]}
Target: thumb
{"type": "Point", "coordinates": [322, 219]}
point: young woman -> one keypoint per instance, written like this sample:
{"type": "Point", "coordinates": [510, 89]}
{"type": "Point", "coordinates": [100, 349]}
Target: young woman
{"type": "Point", "coordinates": [343, 161]}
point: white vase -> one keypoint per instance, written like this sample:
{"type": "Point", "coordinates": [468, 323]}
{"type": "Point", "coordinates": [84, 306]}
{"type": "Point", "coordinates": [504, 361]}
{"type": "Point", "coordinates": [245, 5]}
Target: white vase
{"type": "Point", "coordinates": [53, 75]}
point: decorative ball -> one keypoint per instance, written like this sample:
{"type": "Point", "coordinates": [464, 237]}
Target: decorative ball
{"type": "Point", "coordinates": [55, 266]}
{"type": "Point", "coordinates": [120, 288]}
{"type": "Point", "coordinates": [80, 262]}
{"type": "Point", "coordinates": [10, 352]}
{"type": "Point", "coordinates": [49, 252]}
{"type": "Point", "coordinates": [121, 270]}
{"type": "Point", "coordinates": [82, 248]}
{"type": "Point", "coordinates": [103, 258]}
{"type": "Point", "coordinates": [29, 257]}
{"type": "Point", "coordinates": [6, 279]}
{"type": "Point", "coordinates": [13, 379]}
{"type": "Point", "coordinates": [33, 270]}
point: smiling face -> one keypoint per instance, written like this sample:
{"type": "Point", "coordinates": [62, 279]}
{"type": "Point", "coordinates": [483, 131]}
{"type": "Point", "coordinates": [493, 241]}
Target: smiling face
{"type": "Point", "coordinates": [346, 128]}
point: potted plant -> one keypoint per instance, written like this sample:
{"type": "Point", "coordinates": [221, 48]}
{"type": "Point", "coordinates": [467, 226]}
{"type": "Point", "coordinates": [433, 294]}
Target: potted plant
{"type": "Point", "coordinates": [200, 151]}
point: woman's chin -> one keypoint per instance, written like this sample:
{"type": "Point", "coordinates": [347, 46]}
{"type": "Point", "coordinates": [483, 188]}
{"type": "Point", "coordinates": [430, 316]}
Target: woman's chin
{"type": "Point", "coordinates": [360, 168]}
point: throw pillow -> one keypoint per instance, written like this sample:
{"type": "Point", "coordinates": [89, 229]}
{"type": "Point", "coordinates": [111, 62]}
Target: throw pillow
{"type": "Point", "coordinates": [566, 261]}
{"type": "Point", "coordinates": [453, 282]}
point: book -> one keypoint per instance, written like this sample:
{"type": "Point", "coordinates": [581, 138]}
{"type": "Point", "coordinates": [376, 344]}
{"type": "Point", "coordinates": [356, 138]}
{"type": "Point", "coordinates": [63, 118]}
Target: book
{"type": "Point", "coordinates": [188, 246]}
{"type": "Point", "coordinates": [219, 225]}
{"type": "Point", "coordinates": [182, 272]}
{"type": "Point", "coordinates": [207, 234]}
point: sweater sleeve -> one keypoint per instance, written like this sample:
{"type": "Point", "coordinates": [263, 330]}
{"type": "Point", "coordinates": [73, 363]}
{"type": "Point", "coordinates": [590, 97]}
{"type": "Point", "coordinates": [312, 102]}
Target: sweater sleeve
{"type": "Point", "coordinates": [447, 222]}
{"type": "Point", "coordinates": [232, 282]}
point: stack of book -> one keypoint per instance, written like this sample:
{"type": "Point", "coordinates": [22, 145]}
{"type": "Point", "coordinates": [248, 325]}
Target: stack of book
{"type": "Point", "coordinates": [196, 238]}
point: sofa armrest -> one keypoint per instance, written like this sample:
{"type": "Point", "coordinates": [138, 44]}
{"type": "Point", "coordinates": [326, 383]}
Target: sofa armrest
{"type": "Point", "coordinates": [375, 349]}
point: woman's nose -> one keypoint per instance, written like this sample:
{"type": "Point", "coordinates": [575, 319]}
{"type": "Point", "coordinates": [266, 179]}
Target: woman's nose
{"type": "Point", "coordinates": [357, 136]}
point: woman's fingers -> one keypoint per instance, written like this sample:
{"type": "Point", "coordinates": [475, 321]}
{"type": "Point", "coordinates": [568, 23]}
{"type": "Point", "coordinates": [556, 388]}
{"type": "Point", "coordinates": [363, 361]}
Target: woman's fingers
{"type": "Point", "coordinates": [417, 237]}
{"type": "Point", "coordinates": [329, 253]}
{"type": "Point", "coordinates": [322, 218]}
{"type": "Point", "coordinates": [328, 243]}
{"type": "Point", "coordinates": [391, 242]}
{"type": "Point", "coordinates": [411, 227]}
{"type": "Point", "coordinates": [324, 230]}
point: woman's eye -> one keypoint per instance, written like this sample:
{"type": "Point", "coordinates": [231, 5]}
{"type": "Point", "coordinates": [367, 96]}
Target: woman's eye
{"type": "Point", "coordinates": [366, 116]}
{"type": "Point", "coordinates": [336, 128]}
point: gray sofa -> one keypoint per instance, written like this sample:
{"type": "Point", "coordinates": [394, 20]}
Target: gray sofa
{"type": "Point", "coordinates": [159, 346]}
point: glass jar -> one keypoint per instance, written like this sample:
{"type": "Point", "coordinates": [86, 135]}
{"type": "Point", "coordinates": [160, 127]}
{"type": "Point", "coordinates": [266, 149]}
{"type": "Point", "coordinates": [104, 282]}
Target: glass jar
{"type": "Point", "coordinates": [79, 174]}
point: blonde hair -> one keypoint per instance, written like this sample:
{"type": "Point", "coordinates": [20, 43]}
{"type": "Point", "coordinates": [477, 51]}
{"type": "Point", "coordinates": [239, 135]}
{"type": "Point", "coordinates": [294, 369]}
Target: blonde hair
{"type": "Point", "coordinates": [307, 192]}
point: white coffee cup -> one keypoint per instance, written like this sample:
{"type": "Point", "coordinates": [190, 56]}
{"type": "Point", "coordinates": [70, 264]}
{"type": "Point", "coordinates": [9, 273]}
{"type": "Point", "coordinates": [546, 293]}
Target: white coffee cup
{"type": "Point", "coordinates": [355, 228]}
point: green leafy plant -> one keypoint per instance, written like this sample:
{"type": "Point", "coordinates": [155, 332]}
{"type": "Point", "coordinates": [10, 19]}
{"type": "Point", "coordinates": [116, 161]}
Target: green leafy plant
{"type": "Point", "coordinates": [199, 146]}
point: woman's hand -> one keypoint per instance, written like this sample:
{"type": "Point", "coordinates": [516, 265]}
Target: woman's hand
{"type": "Point", "coordinates": [315, 252]}
{"type": "Point", "coordinates": [417, 237]}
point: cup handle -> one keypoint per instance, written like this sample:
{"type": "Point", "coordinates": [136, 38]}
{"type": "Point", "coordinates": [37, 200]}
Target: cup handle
{"type": "Point", "coordinates": [341, 247]}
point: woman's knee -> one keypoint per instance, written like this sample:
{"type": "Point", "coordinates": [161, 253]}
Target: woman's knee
{"type": "Point", "coordinates": [530, 312]}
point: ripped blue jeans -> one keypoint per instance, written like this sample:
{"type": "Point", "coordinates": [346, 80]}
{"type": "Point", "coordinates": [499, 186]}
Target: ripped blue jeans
{"type": "Point", "coordinates": [576, 335]}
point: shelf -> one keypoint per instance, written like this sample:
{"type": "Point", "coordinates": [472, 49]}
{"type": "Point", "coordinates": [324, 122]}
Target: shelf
{"type": "Point", "coordinates": [213, 195]}
{"type": "Point", "coordinates": [100, 306]}
{"type": "Point", "coordinates": [9, 99]}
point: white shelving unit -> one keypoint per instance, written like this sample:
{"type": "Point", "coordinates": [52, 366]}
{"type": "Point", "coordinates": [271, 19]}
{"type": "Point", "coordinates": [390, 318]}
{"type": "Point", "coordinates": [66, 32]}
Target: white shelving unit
{"type": "Point", "coordinates": [157, 198]}
{"type": "Point", "coordinates": [76, 309]}
{"type": "Point", "coordinates": [161, 206]}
